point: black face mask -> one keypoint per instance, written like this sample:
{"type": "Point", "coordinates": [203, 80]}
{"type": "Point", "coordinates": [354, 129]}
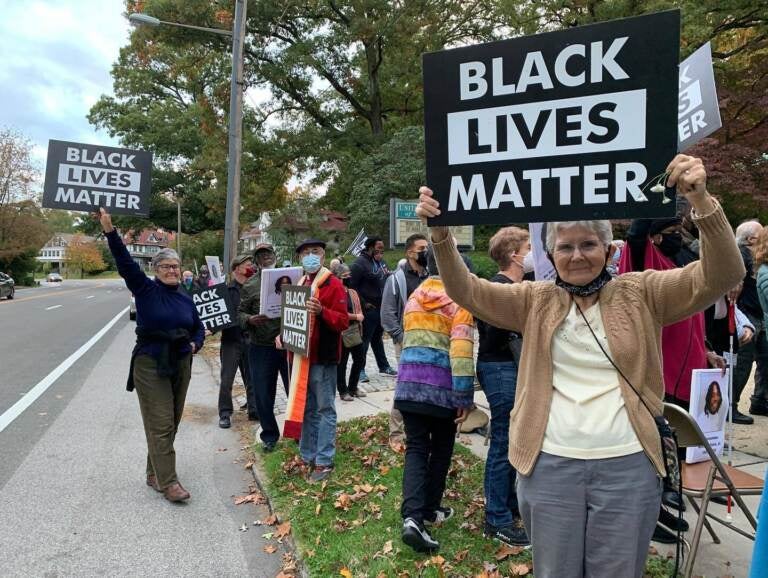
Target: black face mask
{"type": "Point", "coordinates": [346, 281]}
{"type": "Point", "coordinates": [671, 243]}
{"type": "Point", "coordinates": [421, 258]}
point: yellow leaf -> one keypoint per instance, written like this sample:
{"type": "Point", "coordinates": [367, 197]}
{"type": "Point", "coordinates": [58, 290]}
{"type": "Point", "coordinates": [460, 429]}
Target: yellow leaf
{"type": "Point", "coordinates": [345, 572]}
{"type": "Point", "coordinates": [317, 509]}
{"type": "Point", "coordinates": [270, 548]}
{"type": "Point", "coordinates": [520, 569]}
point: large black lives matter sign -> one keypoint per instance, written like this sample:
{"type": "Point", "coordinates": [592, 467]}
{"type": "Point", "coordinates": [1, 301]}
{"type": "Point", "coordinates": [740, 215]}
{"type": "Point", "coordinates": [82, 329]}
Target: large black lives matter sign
{"type": "Point", "coordinates": [576, 124]}
{"type": "Point", "coordinates": [83, 177]}
{"type": "Point", "coordinates": [214, 307]}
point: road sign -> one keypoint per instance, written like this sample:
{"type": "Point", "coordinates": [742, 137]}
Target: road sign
{"type": "Point", "coordinates": [403, 223]}
{"type": "Point", "coordinates": [83, 177]}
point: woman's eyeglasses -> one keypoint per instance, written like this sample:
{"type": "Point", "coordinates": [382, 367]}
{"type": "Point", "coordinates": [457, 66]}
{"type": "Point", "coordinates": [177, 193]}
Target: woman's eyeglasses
{"type": "Point", "coordinates": [169, 267]}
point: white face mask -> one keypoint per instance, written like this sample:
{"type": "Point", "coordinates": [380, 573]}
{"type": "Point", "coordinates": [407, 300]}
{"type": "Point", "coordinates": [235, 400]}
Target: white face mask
{"type": "Point", "coordinates": [528, 262]}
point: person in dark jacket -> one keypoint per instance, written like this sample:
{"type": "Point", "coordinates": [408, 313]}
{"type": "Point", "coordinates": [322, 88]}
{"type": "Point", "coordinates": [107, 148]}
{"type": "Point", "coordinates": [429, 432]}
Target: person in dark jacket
{"type": "Point", "coordinates": [234, 349]}
{"type": "Point", "coordinates": [369, 274]}
{"type": "Point", "coordinates": [497, 361]}
{"type": "Point", "coordinates": [264, 359]}
{"type": "Point", "coordinates": [756, 351]}
{"type": "Point", "coordinates": [188, 282]}
{"type": "Point", "coordinates": [169, 332]}
{"type": "Point", "coordinates": [348, 389]}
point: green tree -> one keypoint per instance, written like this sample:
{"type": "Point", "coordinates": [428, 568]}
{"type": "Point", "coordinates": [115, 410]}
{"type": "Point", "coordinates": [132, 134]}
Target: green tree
{"type": "Point", "coordinates": [83, 256]}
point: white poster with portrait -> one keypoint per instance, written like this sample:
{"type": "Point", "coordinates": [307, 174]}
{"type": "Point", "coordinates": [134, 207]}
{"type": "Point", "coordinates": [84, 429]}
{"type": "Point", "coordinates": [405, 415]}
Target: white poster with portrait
{"type": "Point", "coordinates": [272, 281]}
{"type": "Point", "coordinates": [709, 407]}
{"type": "Point", "coordinates": [218, 275]}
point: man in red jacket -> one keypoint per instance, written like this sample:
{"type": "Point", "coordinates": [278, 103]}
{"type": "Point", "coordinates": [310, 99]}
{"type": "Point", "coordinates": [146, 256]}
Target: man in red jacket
{"type": "Point", "coordinates": [329, 308]}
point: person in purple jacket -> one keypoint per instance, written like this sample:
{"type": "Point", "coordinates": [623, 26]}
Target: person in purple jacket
{"type": "Point", "coordinates": [168, 333]}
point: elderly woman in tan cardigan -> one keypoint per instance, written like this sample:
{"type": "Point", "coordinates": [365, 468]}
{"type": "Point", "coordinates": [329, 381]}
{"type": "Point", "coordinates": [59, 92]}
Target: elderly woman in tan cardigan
{"type": "Point", "coordinates": [586, 449]}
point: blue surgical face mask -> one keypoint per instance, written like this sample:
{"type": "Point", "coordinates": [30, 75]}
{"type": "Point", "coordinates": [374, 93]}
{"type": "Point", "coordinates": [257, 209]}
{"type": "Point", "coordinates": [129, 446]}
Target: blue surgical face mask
{"type": "Point", "coordinates": [311, 263]}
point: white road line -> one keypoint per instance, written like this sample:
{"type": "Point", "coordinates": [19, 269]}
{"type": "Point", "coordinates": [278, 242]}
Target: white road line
{"type": "Point", "coordinates": [18, 408]}
{"type": "Point", "coordinates": [90, 296]}
{"type": "Point", "coordinates": [52, 307]}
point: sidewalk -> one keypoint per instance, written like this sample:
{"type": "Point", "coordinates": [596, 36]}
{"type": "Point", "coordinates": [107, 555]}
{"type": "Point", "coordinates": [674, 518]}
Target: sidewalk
{"type": "Point", "coordinates": [729, 558]}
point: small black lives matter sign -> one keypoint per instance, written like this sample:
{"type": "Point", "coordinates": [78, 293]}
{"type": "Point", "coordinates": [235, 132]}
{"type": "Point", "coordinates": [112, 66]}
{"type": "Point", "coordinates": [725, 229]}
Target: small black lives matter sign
{"type": "Point", "coordinates": [83, 177]}
{"type": "Point", "coordinates": [574, 124]}
{"type": "Point", "coordinates": [214, 307]}
{"type": "Point", "coordinates": [294, 321]}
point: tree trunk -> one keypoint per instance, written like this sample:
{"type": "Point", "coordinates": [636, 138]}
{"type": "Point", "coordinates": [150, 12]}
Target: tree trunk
{"type": "Point", "coordinates": [373, 55]}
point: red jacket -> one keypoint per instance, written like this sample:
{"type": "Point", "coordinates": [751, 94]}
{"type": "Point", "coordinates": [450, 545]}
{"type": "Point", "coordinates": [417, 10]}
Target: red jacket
{"type": "Point", "coordinates": [325, 338]}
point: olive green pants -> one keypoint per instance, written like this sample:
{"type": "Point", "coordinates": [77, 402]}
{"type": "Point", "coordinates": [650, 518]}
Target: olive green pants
{"type": "Point", "coordinates": [161, 400]}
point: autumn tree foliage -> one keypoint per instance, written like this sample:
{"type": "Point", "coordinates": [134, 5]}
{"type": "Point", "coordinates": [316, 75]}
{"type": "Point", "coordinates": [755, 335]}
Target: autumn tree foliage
{"type": "Point", "coordinates": [83, 255]}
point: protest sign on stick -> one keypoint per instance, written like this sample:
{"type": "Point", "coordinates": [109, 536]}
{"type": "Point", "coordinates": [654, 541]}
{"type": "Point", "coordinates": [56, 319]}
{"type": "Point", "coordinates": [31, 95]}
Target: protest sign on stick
{"type": "Point", "coordinates": [573, 124]}
{"type": "Point", "coordinates": [214, 307]}
{"type": "Point", "coordinates": [294, 321]}
{"type": "Point", "coordinates": [84, 177]}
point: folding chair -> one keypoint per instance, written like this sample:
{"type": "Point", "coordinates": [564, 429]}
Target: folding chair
{"type": "Point", "coordinates": [705, 480]}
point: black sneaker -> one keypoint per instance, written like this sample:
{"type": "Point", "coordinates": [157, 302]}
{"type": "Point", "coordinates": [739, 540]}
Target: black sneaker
{"type": "Point", "coordinates": [268, 447]}
{"type": "Point", "coordinates": [673, 521]}
{"type": "Point", "coordinates": [663, 536]}
{"type": "Point", "coordinates": [742, 419]}
{"type": "Point", "coordinates": [439, 516]}
{"type": "Point", "coordinates": [224, 422]}
{"type": "Point", "coordinates": [513, 535]}
{"type": "Point", "coordinates": [417, 537]}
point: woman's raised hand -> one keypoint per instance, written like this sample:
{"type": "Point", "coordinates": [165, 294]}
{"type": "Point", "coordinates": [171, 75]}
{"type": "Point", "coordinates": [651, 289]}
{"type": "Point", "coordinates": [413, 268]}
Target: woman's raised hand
{"type": "Point", "coordinates": [690, 177]}
{"type": "Point", "coordinates": [428, 206]}
{"type": "Point", "coordinates": [106, 220]}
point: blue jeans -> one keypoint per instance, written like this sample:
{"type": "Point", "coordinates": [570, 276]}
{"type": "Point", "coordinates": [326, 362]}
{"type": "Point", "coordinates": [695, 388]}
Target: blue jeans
{"type": "Point", "coordinates": [266, 362]}
{"type": "Point", "coordinates": [499, 382]}
{"type": "Point", "coordinates": [318, 432]}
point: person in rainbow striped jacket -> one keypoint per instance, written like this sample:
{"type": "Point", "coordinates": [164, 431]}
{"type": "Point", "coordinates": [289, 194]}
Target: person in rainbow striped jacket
{"type": "Point", "coordinates": [435, 386]}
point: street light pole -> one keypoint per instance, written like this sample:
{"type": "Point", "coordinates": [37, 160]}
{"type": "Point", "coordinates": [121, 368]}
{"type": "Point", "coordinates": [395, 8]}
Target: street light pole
{"type": "Point", "coordinates": [232, 217]}
{"type": "Point", "coordinates": [232, 209]}
{"type": "Point", "coordinates": [178, 226]}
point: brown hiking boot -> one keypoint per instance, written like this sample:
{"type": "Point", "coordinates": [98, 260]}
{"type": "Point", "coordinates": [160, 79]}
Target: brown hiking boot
{"type": "Point", "coordinates": [152, 482]}
{"type": "Point", "coordinates": [176, 493]}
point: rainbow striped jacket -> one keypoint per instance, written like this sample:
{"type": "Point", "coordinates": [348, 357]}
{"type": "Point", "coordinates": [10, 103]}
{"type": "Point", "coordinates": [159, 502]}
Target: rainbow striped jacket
{"type": "Point", "coordinates": [436, 364]}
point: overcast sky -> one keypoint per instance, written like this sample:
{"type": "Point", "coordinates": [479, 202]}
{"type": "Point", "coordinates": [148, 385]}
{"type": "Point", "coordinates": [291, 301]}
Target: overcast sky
{"type": "Point", "coordinates": [55, 59]}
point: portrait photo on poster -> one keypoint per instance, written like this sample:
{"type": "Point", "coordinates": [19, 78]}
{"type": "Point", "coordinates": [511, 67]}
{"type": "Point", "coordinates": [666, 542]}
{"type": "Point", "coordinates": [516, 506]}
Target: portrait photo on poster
{"type": "Point", "coordinates": [573, 124]}
{"type": "Point", "coordinates": [272, 283]}
{"type": "Point", "coordinates": [709, 407]}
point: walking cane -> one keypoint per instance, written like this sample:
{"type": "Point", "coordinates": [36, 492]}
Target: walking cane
{"type": "Point", "coordinates": [729, 429]}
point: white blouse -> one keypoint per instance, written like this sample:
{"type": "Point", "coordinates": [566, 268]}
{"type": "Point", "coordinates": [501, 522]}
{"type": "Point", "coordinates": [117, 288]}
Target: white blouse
{"type": "Point", "coordinates": [587, 419]}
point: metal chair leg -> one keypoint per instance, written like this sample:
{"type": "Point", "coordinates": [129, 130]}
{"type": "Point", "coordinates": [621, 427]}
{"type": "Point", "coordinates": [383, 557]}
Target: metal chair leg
{"type": "Point", "coordinates": [707, 525]}
{"type": "Point", "coordinates": [699, 525]}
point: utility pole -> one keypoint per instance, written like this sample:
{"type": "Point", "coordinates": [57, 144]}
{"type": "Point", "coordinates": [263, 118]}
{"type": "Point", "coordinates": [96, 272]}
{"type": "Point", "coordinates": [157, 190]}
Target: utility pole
{"type": "Point", "coordinates": [232, 219]}
{"type": "Point", "coordinates": [178, 227]}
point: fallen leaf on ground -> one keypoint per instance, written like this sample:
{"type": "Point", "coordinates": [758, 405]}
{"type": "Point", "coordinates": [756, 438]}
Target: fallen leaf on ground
{"type": "Point", "coordinates": [254, 497]}
{"type": "Point", "coordinates": [384, 470]}
{"type": "Point", "coordinates": [345, 572]}
{"type": "Point", "coordinates": [519, 569]}
{"type": "Point", "coordinates": [343, 502]}
{"type": "Point", "coordinates": [271, 521]}
{"type": "Point", "coordinates": [248, 465]}
{"type": "Point", "coordinates": [268, 535]}
{"type": "Point", "coordinates": [460, 556]}
{"type": "Point", "coordinates": [270, 548]}
{"type": "Point", "coordinates": [284, 575]}
{"type": "Point", "coordinates": [283, 530]}
{"type": "Point", "coordinates": [317, 509]}
{"type": "Point", "coordinates": [506, 551]}
{"type": "Point", "coordinates": [243, 528]}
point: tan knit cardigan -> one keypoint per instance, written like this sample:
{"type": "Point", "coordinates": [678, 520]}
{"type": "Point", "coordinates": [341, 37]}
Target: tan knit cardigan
{"type": "Point", "coordinates": [634, 308]}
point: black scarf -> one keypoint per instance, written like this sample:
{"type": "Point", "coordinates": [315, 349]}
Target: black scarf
{"type": "Point", "coordinates": [585, 290]}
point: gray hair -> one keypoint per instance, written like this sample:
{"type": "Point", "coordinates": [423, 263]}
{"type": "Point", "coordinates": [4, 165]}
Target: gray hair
{"type": "Point", "coordinates": [746, 230]}
{"type": "Point", "coordinates": [165, 255]}
{"type": "Point", "coordinates": [602, 229]}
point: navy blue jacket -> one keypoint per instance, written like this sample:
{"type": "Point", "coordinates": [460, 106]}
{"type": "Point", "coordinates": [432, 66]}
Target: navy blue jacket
{"type": "Point", "coordinates": [159, 307]}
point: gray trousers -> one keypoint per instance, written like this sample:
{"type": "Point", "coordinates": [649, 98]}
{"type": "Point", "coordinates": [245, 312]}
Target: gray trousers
{"type": "Point", "coordinates": [590, 518]}
{"type": "Point", "coordinates": [234, 356]}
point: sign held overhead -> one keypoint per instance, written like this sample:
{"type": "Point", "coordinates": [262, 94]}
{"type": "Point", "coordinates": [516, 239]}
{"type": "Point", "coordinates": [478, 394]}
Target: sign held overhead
{"type": "Point", "coordinates": [698, 109]}
{"type": "Point", "coordinates": [83, 177]}
{"type": "Point", "coordinates": [565, 125]}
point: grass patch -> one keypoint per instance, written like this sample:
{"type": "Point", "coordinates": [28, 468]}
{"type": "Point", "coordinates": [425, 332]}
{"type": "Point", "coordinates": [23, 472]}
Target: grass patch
{"type": "Point", "coordinates": [351, 523]}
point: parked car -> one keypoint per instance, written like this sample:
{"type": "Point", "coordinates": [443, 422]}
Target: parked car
{"type": "Point", "coordinates": [7, 286]}
{"type": "Point", "coordinates": [54, 278]}
{"type": "Point", "coordinates": [132, 309]}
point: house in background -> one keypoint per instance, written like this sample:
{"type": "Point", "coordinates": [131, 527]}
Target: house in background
{"type": "Point", "coordinates": [258, 233]}
{"type": "Point", "coordinates": [54, 252]}
{"type": "Point", "coordinates": [144, 245]}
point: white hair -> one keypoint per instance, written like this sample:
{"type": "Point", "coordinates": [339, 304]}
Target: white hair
{"type": "Point", "coordinates": [165, 255]}
{"type": "Point", "coordinates": [746, 230]}
{"type": "Point", "coordinates": [602, 229]}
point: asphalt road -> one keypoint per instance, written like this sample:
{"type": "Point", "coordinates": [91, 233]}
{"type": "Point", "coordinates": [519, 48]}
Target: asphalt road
{"type": "Point", "coordinates": [39, 329]}
{"type": "Point", "coordinates": [74, 501]}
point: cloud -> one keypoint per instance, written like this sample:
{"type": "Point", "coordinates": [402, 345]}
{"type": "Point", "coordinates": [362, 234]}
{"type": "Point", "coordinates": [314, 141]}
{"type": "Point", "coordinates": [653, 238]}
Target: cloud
{"type": "Point", "coordinates": [56, 62]}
